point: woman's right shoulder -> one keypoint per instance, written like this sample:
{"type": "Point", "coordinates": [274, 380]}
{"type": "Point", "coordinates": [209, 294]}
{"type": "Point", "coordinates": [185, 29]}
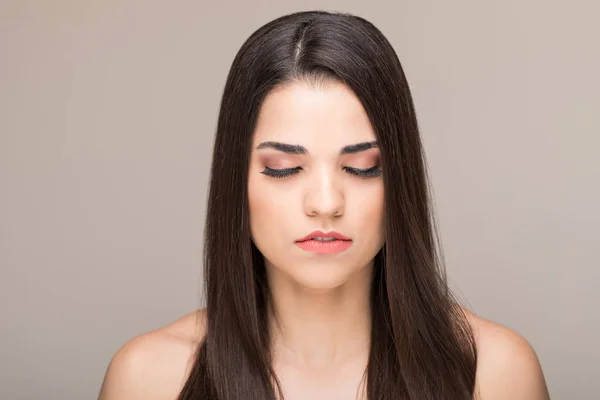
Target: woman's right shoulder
{"type": "Point", "coordinates": [156, 364]}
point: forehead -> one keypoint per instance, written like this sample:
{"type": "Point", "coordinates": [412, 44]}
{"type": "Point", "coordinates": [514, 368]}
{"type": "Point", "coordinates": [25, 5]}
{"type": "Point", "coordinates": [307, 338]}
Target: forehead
{"type": "Point", "coordinates": [315, 117]}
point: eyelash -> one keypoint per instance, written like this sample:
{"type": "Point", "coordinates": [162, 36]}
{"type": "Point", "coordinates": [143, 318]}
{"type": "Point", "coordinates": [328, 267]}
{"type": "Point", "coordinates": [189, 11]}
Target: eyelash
{"type": "Point", "coordinates": [286, 173]}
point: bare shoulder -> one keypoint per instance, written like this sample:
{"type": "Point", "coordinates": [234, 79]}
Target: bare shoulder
{"type": "Point", "coordinates": [507, 365]}
{"type": "Point", "coordinates": [156, 364]}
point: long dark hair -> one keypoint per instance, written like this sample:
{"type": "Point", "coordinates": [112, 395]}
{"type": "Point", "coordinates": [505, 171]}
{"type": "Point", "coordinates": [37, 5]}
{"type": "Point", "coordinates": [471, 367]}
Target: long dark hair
{"type": "Point", "coordinates": [422, 346]}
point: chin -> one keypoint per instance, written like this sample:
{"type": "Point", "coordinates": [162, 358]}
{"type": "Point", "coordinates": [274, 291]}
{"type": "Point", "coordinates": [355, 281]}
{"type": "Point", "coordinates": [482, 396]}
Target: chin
{"type": "Point", "coordinates": [319, 285]}
{"type": "Point", "coordinates": [319, 277]}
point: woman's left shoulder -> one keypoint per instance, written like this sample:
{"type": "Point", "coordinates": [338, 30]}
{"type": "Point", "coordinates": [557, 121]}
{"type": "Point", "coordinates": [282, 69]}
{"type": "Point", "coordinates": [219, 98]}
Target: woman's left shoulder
{"type": "Point", "coordinates": [507, 365]}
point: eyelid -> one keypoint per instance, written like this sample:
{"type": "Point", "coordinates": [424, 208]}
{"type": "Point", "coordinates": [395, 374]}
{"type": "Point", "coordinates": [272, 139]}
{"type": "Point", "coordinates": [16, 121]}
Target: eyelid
{"type": "Point", "coordinates": [280, 161]}
{"type": "Point", "coordinates": [377, 165]}
{"type": "Point", "coordinates": [362, 173]}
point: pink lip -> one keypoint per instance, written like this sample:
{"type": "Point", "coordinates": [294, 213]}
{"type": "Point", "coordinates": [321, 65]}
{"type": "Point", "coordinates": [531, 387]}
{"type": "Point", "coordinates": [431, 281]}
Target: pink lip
{"type": "Point", "coordinates": [334, 246]}
{"type": "Point", "coordinates": [315, 234]}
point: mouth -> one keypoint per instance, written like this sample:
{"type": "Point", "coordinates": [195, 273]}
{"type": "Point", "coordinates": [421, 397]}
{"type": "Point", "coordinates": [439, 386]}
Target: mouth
{"type": "Point", "coordinates": [323, 237]}
{"type": "Point", "coordinates": [324, 246]}
{"type": "Point", "coordinates": [324, 243]}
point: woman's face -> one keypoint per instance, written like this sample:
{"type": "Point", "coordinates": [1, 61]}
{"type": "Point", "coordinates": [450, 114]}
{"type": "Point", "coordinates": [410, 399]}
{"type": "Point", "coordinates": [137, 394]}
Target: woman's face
{"type": "Point", "coordinates": [323, 193]}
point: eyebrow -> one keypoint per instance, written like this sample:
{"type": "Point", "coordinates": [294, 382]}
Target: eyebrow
{"type": "Point", "coordinates": [297, 149]}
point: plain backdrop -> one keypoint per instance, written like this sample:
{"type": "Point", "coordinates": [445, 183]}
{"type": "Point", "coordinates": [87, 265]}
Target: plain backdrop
{"type": "Point", "coordinates": [107, 119]}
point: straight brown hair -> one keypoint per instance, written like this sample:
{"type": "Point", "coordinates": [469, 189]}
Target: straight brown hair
{"type": "Point", "coordinates": [422, 346]}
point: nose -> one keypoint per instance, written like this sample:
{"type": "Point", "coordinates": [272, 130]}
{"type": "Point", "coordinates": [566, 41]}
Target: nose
{"type": "Point", "coordinates": [323, 196]}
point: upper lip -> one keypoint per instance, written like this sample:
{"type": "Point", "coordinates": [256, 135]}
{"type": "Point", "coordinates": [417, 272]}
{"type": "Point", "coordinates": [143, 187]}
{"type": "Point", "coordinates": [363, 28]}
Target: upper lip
{"type": "Point", "coordinates": [331, 234]}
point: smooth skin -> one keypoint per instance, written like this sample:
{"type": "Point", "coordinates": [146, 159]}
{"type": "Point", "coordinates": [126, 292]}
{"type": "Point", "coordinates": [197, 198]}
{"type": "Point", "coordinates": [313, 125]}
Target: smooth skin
{"type": "Point", "coordinates": [321, 342]}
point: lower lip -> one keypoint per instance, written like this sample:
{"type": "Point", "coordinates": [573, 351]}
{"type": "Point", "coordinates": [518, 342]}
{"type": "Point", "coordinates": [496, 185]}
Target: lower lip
{"type": "Point", "coordinates": [334, 246]}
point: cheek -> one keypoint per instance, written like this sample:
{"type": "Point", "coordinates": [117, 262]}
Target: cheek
{"type": "Point", "coordinates": [258, 204]}
{"type": "Point", "coordinates": [269, 210]}
{"type": "Point", "coordinates": [370, 209]}
{"type": "Point", "coordinates": [264, 202]}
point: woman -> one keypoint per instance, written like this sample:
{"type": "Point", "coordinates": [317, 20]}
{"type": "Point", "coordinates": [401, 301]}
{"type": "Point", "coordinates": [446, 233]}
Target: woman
{"type": "Point", "coordinates": [323, 274]}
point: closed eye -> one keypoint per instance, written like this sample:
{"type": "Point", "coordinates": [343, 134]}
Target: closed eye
{"type": "Point", "coordinates": [365, 173]}
{"type": "Point", "coordinates": [287, 172]}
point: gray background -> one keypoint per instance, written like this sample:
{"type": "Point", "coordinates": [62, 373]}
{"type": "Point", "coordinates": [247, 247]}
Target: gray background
{"type": "Point", "coordinates": [108, 113]}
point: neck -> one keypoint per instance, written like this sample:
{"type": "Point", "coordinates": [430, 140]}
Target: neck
{"type": "Point", "coordinates": [320, 327]}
